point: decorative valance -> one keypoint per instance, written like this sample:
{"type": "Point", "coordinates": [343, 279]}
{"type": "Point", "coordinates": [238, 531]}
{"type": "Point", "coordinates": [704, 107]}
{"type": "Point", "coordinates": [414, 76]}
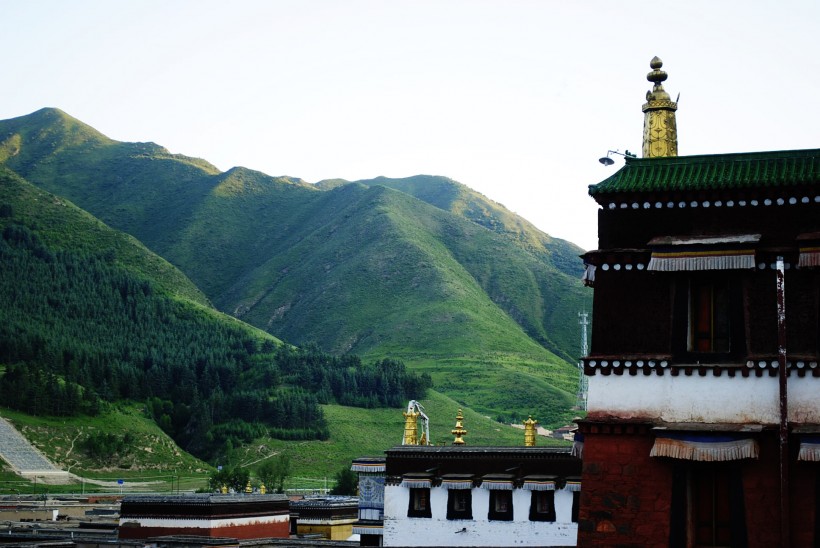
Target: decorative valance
{"type": "Point", "coordinates": [707, 447]}
{"type": "Point", "coordinates": [809, 256]}
{"type": "Point", "coordinates": [375, 466]}
{"type": "Point", "coordinates": [417, 481]}
{"type": "Point", "coordinates": [809, 449]}
{"type": "Point", "coordinates": [539, 483]}
{"type": "Point", "coordinates": [670, 254]}
{"type": "Point", "coordinates": [457, 481]}
{"type": "Point", "coordinates": [369, 530]}
{"type": "Point", "coordinates": [573, 484]}
{"type": "Point", "coordinates": [498, 482]}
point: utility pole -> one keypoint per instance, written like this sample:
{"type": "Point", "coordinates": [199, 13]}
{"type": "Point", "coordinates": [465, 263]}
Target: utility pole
{"type": "Point", "coordinates": [581, 399]}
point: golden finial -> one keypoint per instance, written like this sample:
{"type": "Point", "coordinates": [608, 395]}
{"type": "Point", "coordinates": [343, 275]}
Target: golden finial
{"type": "Point", "coordinates": [529, 432]}
{"type": "Point", "coordinates": [262, 489]}
{"type": "Point", "coordinates": [224, 489]}
{"type": "Point", "coordinates": [248, 488]}
{"type": "Point", "coordinates": [411, 429]}
{"type": "Point", "coordinates": [660, 132]}
{"type": "Point", "coordinates": [459, 432]}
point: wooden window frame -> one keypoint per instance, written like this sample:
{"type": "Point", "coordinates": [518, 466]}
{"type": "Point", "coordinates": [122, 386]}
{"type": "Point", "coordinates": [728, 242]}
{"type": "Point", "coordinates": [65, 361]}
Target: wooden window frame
{"type": "Point", "coordinates": [501, 505]}
{"type": "Point", "coordinates": [459, 504]}
{"type": "Point", "coordinates": [419, 504]}
{"type": "Point", "coordinates": [542, 506]}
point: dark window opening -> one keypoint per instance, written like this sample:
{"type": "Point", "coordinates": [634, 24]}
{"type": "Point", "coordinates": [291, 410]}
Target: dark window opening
{"type": "Point", "coordinates": [709, 317]}
{"type": "Point", "coordinates": [576, 505]}
{"type": "Point", "coordinates": [542, 506]}
{"type": "Point", "coordinates": [501, 506]}
{"type": "Point", "coordinates": [707, 506]}
{"type": "Point", "coordinates": [459, 504]}
{"type": "Point", "coordinates": [708, 320]}
{"type": "Point", "coordinates": [419, 503]}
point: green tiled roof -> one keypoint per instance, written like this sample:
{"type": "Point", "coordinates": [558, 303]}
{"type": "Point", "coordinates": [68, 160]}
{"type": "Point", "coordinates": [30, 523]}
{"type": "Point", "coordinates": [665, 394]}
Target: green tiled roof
{"type": "Point", "coordinates": [714, 172]}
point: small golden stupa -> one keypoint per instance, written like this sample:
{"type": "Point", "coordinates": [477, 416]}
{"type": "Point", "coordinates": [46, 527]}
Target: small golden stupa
{"type": "Point", "coordinates": [459, 432]}
{"type": "Point", "coordinates": [529, 432]}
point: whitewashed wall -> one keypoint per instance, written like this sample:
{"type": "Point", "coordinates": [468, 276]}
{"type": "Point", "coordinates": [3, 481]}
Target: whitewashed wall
{"type": "Point", "coordinates": [399, 530]}
{"type": "Point", "coordinates": [706, 399]}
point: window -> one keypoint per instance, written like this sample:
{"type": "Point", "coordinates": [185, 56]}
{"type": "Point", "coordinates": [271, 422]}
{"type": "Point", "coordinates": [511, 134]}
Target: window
{"type": "Point", "coordinates": [707, 506]}
{"type": "Point", "coordinates": [459, 504]}
{"type": "Point", "coordinates": [708, 316]}
{"type": "Point", "coordinates": [576, 505]}
{"type": "Point", "coordinates": [501, 505]}
{"type": "Point", "coordinates": [419, 503]}
{"type": "Point", "coordinates": [542, 506]}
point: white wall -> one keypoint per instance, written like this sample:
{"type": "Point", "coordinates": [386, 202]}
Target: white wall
{"type": "Point", "coordinates": [399, 530]}
{"type": "Point", "coordinates": [706, 399]}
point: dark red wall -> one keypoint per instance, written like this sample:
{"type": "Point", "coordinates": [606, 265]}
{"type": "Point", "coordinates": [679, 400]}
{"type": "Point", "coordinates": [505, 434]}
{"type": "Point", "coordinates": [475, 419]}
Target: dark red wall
{"type": "Point", "coordinates": [626, 495]}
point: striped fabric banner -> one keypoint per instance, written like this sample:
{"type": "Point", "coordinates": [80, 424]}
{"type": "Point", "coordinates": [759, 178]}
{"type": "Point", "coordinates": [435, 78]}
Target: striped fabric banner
{"type": "Point", "coordinates": [573, 485]}
{"type": "Point", "coordinates": [369, 530]}
{"type": "Point", "coordinates": [539, 483]}
{"type": "Point", "coordinates": [456, 481]}
{"type": "Point", "coordinates": [723, 259]}
{"type": "Point", "coordinates": [672, 254]}
{"type": "Point", "coordinates": [809, 449]}
{"type": "Point", "coordinates": [498, 482]}
{"type": "Point", "coordinates": [704, 447]}
{"type": "Point", "coordinates": [373, 467]}
{"type": "Point", "coordinates": [417, 483]}
{"type": "Point", "coordinates": [809, 256]}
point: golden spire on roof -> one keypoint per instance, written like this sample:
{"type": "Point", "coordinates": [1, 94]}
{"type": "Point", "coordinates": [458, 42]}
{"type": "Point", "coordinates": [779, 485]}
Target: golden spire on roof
{"type": "Point", "coordinates": [660, 131]}
{"type": "Point", "coordinates": [529, 432]}
{"type": "Point", "coordinates": [411, 428]}
{"type": "Point", "coordinates": [459, 432]}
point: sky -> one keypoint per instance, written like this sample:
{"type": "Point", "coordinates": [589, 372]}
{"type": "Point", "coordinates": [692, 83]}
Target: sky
{"type": "Point", "coordinates": [515, 99]}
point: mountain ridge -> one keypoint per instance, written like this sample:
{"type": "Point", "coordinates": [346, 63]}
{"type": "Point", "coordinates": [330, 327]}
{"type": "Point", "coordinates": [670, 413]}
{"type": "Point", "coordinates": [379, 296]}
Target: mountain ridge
{"type": "Point", "coordinates": [421, 268]}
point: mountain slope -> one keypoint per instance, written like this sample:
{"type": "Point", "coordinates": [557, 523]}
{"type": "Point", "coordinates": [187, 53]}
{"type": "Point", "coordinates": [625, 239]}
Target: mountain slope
{"type": "Point", "coordinates": [543, 307]}
{"type": "Point", "coordinates": [425, 270]}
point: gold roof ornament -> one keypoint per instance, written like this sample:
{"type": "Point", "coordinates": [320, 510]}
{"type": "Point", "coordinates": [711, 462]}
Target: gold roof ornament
{"type": "Point", "coordinates": [411, 428]}
{"type": "Point", "coordinates": [660, 130]}
{"type": "Point", "coordinates": [529, 432]}
{"type": "Point", "coordinates": [248, 488]}
{"type": "Point", "coordinates": [459, 432]}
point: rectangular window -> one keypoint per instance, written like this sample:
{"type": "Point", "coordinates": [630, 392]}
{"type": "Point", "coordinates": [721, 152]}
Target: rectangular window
{"type": "Point", "coordinates": [576, 505]}
{"type": "Point", "coordinates": [419, 503]}
{"type": "Point", "coordinates": [708, 316]}
{"type": "Point", "coordinates": [707, 506]}
{"type": "Point", "coordinates": [459, 504]}
{"type": "Point", "coordinates": [501, 505]}
{"type": "Point", "coordinates": [542, 506]}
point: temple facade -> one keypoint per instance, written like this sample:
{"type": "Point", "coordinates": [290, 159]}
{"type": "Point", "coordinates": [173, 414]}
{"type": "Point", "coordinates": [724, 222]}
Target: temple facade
{"type": "Point", "coordinates": [702, 425]}
{"type": "Point", "coordinates": [481, 496]}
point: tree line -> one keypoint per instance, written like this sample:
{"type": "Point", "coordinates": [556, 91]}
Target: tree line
{"type": "Point", "coordinates": [77, 331]}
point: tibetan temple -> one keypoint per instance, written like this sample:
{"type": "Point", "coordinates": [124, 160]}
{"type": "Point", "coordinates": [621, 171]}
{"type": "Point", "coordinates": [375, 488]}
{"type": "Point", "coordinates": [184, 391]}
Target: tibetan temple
{"type": "Point", "coordinates": [703, 409]}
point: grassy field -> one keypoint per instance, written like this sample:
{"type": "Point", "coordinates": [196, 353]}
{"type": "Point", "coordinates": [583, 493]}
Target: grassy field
{"type": "Point", "coordinates": [370, 432]}
{"type": "Point", "coordinates": [154, 463]}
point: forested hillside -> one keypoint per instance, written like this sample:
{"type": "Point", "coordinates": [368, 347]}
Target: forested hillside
{"type": "Point", "coordinates": [90, 316]}
{"type": "Point", "coordinates": [422, 270]}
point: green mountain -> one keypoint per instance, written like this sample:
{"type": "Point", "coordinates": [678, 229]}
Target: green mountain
{"type": "Point", "coordinates": [89, 316]}
{"type": "Point", "coordinates": [421, 269]}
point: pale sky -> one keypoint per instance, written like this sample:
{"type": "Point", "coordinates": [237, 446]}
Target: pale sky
{"type": "Point", "coordinates": [515, 99]}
